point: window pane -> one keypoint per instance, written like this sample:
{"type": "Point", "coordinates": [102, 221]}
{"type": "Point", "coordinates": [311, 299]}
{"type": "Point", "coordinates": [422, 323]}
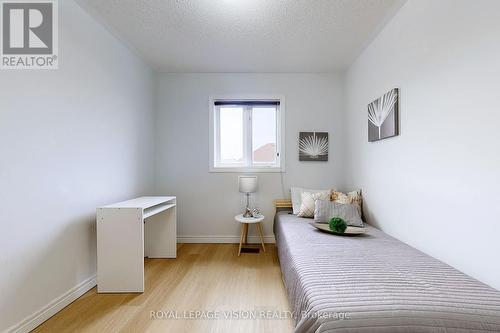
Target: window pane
{"type": "Point", "coordinates": [231, 135]}
{"type": "Point", "coordinates": [264, 135]}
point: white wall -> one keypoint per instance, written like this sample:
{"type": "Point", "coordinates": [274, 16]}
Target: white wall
{"type": "Point", "coordinates": [435, 185]}
{"type": "Point", "coordinates": [209, 201]}
{"type": "Point", "coordinates": [70, 140]}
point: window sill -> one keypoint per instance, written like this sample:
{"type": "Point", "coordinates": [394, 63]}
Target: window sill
{"type": "Point", "coordinates": [246, 170]}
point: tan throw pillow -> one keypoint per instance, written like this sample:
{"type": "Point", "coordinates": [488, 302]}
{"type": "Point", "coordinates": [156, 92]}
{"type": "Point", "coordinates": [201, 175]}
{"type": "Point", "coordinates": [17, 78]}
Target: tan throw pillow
{"type": "Point", "coordinates": [308, 200]}
{"type": "Point", "coordinates": [353, 197]}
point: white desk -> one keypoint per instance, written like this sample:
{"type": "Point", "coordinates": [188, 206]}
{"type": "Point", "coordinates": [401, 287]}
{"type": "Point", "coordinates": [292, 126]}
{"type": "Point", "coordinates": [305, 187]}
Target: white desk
{"type": "Point", "coordinates": [127, 232]}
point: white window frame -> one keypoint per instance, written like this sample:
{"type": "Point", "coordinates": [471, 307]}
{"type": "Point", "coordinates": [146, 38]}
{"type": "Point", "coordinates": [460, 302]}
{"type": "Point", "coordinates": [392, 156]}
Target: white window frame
{"type": "Point", "coordinates": [280, 135]}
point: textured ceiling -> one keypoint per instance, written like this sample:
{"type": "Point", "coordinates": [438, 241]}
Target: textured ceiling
{"type": "Point", "coordinates": [245, 35]}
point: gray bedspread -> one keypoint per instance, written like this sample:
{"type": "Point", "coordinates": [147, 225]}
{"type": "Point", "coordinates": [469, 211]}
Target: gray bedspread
{"type": "Point", "coordinates": [375, 283]}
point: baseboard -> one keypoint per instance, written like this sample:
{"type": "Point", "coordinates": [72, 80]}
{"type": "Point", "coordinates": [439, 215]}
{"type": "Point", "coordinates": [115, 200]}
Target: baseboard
{"type": "Point", "coordinates": [222, 239]}
{"type": "Point", "coordinates": [34, 320]}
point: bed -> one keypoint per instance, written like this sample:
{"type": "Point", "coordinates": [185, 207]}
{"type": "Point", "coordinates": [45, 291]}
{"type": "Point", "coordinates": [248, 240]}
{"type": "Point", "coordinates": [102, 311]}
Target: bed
{"type": "Point", "coordinates": [375, 283]}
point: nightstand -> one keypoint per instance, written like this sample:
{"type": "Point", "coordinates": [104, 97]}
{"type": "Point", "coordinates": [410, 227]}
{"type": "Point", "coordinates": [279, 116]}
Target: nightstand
{"type": "Point", "coordinates": [245, 222]}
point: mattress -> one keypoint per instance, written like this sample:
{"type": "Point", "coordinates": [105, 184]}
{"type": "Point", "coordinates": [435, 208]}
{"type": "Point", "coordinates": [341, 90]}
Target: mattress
{"type": "Point", "coordinates": [375, 283]}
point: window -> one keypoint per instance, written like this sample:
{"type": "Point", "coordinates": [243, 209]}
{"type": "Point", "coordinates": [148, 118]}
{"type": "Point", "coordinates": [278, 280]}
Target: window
{"type": "Point", "coordinates": [246, 135]}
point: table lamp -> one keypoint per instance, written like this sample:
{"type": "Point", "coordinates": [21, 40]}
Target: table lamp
{"type": "Point", "coordinates": [247, 185]}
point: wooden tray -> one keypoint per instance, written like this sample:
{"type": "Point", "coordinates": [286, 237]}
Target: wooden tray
{"type": "Point", "coordinates": [350, 231]}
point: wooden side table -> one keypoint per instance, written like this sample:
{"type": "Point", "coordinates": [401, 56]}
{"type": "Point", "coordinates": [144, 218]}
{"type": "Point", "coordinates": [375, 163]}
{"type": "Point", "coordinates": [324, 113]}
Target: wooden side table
{"type": "Point", "coordinates": [245, 222]}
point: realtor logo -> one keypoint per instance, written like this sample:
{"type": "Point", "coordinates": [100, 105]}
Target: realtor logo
{"type": "Point", "coordinates": [29, 34]}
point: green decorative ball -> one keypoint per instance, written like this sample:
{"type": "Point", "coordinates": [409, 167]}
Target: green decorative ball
{"type": "Point", "coordinates": [338, 225]}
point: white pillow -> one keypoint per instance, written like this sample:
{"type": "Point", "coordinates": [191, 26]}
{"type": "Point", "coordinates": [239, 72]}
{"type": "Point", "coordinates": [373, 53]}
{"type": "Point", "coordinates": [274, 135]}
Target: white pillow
{"type": "Point", "coordinates": [326, 209]}
{"type": "Point", "coordinates": [309, 199]}
{"type": "Point", "coordinates": [296, 194]}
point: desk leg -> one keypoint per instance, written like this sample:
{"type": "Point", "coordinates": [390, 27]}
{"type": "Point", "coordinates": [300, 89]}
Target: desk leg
{"type": "Point", "coordinates": [120, 250]}
{"type": "Point", "coordinates": [161, 235]}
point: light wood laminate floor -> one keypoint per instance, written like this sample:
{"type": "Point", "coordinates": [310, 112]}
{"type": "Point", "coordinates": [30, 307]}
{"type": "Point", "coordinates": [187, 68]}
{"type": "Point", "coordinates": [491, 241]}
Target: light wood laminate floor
{"type": "Point", "coordinates": [205, 277]}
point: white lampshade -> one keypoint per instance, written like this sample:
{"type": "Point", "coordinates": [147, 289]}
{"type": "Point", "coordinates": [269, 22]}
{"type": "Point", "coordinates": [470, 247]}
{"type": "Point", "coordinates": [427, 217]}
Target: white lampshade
{"type": "Point", "coordinates": [247, 184]}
